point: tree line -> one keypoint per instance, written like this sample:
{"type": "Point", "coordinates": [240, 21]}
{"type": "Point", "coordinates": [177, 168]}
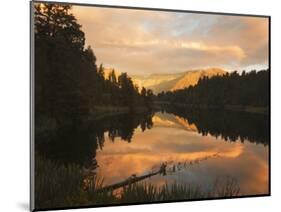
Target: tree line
{"type": "Point", "coordinates": [246, 89]}
{"type": "Point", "coordinates": [67, 79]}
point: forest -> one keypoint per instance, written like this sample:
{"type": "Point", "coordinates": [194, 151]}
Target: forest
{"type": "Point", "coordinates": [245, 89]}
{"type": "Point", "coordinates": [67, 78]}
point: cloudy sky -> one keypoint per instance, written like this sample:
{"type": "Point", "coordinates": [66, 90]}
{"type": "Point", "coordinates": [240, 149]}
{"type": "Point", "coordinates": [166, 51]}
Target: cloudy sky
{"type": "Point", "coordinates": [144, 42]}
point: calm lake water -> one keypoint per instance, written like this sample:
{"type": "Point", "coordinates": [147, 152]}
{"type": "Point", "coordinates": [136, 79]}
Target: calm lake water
{"type": "Point", "coordinates": [199, 147]}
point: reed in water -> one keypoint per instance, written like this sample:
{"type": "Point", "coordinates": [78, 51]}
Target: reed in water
{"type": "Point", "coordinates": [70, 188]}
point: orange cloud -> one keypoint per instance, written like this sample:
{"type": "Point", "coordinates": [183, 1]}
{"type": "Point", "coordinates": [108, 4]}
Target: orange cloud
{"type": "Point", "coordinates": [134, 40]}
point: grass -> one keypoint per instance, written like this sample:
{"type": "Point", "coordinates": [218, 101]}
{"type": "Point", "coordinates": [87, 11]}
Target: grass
{"type": "Point", "coordinates": [143, 192]}
{"type": "Point", "coordinates": [58, 185]}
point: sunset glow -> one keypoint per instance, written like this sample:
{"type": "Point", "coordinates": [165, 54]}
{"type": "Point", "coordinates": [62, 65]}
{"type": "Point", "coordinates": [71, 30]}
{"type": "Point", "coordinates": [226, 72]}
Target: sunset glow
{"type": "Point", "coordinates": [144, 42]}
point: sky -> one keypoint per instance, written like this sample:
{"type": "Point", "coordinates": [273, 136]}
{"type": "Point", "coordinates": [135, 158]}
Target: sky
{"type": "Point", "coordinates": [145, 42]}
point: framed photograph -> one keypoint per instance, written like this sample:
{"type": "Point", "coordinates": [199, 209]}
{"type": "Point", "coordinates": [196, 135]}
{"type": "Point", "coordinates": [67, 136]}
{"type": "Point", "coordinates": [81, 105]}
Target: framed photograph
{"type": "Point", "coordinates": [144, 105]}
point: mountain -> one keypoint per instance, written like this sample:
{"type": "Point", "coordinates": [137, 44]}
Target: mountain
{"type": "Point", "coordinates": [171, 82]}
{"type": "Point", "coordinates": [168, 120]}
{"type": "Point", "coordinates": [192, 77]}
{"type": "Point", "coordinates": [156, 82]}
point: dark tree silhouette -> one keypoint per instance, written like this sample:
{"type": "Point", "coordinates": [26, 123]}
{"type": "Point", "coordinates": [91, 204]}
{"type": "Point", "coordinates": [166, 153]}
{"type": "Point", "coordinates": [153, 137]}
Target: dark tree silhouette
{"type": "Point", "coordinates": [246, 89]}
{"type": "Point", "coordinates": [68, 83]}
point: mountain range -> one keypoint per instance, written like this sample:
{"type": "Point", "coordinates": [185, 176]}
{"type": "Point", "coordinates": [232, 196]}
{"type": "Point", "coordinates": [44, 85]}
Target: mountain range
{"type": "Point", "coordinates": [173, 81]}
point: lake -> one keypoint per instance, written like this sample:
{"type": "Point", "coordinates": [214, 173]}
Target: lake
{"type": "Point", "coordinates": [198, 147]}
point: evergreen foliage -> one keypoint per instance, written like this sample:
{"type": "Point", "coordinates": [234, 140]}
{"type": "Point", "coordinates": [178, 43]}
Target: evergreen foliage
{"type": "Point", "coordinates": [246, 89]}
{"type": "Point", "coordinates": [68, 82]}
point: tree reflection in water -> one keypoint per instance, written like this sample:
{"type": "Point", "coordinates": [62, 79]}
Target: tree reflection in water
{"type": "Point", "coordinates": [78, 143]}
{"type": "Point", "coordinates": [231, 126]}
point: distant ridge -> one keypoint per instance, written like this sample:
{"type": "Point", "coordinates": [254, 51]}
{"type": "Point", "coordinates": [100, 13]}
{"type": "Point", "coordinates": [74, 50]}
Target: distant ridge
{"type": "Point", "coordinates": [170, 82]}
{"type": "Point", "coordinates": [192, 77]}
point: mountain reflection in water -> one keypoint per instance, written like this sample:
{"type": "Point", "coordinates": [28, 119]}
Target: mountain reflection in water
{"type": "Point", "coordinates": [120, 146]}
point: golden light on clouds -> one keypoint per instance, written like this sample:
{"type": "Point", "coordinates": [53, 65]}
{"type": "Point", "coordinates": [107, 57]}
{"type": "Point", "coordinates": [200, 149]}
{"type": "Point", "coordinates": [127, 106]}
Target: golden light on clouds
{"type": "Point", "coordinates": [144, 42]}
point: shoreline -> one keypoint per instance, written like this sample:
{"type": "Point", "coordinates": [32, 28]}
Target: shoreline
{"type": "Point", "coordinates": [234, 108]}
{"type": "Point", "coordinates": [102, 112]}
{"type": "Point", "coordinates": [97, 113]}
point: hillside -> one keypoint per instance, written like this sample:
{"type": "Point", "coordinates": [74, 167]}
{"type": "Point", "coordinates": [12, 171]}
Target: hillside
{"type": "Point", "coordinates": [192, 77]}
{"type": "Point", "coordinates": [171, 82]}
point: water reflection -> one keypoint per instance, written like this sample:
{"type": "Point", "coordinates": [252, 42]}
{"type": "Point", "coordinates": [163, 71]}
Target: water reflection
{"type": "Point", "coordinates": [231, 126]}
{"type": "Point", "coordinates": [78, 142]}
{"type": "Point", "coordinates": [118, 147]}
